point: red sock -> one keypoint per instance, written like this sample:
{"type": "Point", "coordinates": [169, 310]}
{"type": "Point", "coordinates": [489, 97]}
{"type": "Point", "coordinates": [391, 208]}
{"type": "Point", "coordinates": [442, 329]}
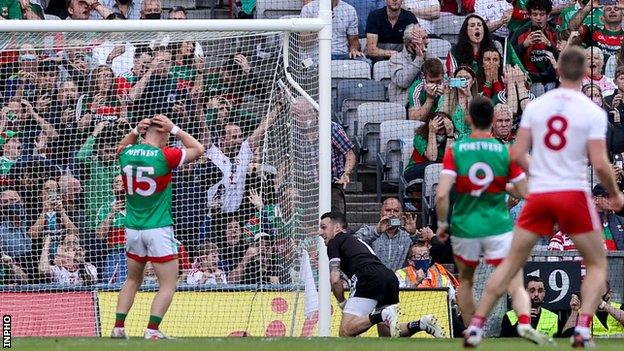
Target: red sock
{"type": "Point", "coordinates": [477, 321]}
{"type": "Point", "coordinates": [584, 320]}
{"type": "Point", "coordinates": [524, 319]}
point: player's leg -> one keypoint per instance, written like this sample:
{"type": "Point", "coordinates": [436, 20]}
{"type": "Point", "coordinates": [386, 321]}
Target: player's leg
{"type": "Point", "coordinates": [427, 323]}
{"type": "Point", "coordinates": [521, 303]}
{"type": "Point", "coordinates": [467, 252]}
{"type": "Point", "coordinates": [162, 250]}
{"type": "Point", "coordinates": [358, 316]}
{"type": "Point", "coordinates": [137, 256]}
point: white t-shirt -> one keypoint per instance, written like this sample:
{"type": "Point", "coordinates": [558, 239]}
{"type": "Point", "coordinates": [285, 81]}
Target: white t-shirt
{"type": "Point", "coordinates": [121, 64]}
{"type": "Point", "coordinates": [421, 4]}
{"type": "Point", "coordinates": [344, 23]}
{"type": "Point", "coordinates": [196, 277]}
{"type": "Point", "coordinates": [62, 276]}
{"type": "Point", "coordinates": [234, 176]}
{"type": "Point", "coordinates": [561, 123]}
{"type": "Point", "coordinates": [606, 84]}
{"type": "Point", "coordinates": [493, 10]}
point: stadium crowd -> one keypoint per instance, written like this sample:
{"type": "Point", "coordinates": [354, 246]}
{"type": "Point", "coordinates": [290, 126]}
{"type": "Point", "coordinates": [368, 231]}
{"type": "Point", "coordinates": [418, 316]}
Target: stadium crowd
{"type": "Point", "coordinates": [65, 109]}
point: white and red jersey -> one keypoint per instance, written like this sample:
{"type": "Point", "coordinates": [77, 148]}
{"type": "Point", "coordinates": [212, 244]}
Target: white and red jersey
{"type": "Point", "coordinates": [561, 123]}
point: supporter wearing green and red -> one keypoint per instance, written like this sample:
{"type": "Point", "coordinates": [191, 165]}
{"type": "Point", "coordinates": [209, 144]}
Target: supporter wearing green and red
{"type": "Point", "coordinates": [607, 35]}
{"type": "Point", "coordinates": [125, 81]}
{"type": "Point", "coordinates": [424, 93]}
{"type": "Point", "coordinates": [482, 168]}
{"type": "Point", "coordinates": [430, 141]}
{"type": "Point", "coordinates": [535, 40]}
{"type": "Point", "coordinates": [569, 12]}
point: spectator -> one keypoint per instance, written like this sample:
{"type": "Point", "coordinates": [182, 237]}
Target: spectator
{"type": "Point", "coordinates": [247, 9]}
{"type": "Point", "coordinates": [69, 266]}
{"type": "Point", "coordinates": [496, 14]}
{"type": "Point", "coordinates": [595, 63]}
{"type": "Point", "coordinates": [455, 101]}
{"type": "Point", "coordinates": [232, 244]}
{"type": "Point", "coordinates": [14, 239]}
{"type": "Point", "coordinates": [97, 159]}
{"type": "Point", "coordinates": [11, 151]}
{"type": "Point", "coordinates": [116, 53]}
{"type": "Point", "coordinates": [473, 39]}
{"type": "Point", "coordinates": [390, 238]}
{"type": "Point", "coordinates": [607, 36]}
{"type": "Point", "coordinates": [151, 9]}
{"type": "Point", "coordinates": [533, 41]}
{"type": "Point", "coordinates": [519, 16]}
{"type": "Point", "coordinates": [449, 6]}
{"type": "Point", "coordinates": [21, 9]}
{"type": "Point", "coordinates": [426, 11]}
{"type": "Point", "coordinates": [430, 141]}
{"type": "Point", "coordinates": [501, 125]}
{"type": "Point", "coordinates": [187, 68]}
{"type": "Point", "coordinates": [613, 104]}
{"type": "Point", "coordinates": [100, 103]}
{"type": "Point", "coordinates": [62, 116]}
{"type": "Point", "coordinates": [111, 228]}
{"type": "Point", "coordinates": [140, 66]}
{"type": "Point", "coordinates": [608, 320]}
{"type": "Point", "coordinates": [76, 63]}
{"type": "Point", "coordinates": [232, 80]}
{"type": "Point", "coordinates": [52, 221]}
{"type": "Point", "coordinates": [130, 9]}
{"type": "Point", "coordinates": [29, 124]}
{"type": "Point", "coordinates": [516, 94]}
{"type": "Point", "coordinates": [206, 267]}
{"type": "Point", "coordinates": [345, 43]}
{"type": "Point", "coordinates": [594, 92]}
{"type": "Point", "coordinates": [424, 93]}
{"type": "Point", "coordinates": [542, 320]}
{"type": "Point", "coordinates": [421, 272]}
{"type": "Point", "coordinates": [569, 12]}
{"type": "Point", "coordinates": [26, 76]}
{"type": "Point", "coordinates": [385, 29]}
{"type": "Point", "coordinates": [405, 65]}
{"type": "Point", "coordinates": [257, 265]}
{"type": "Point", "coordinates": [362, 9]}
{"type": "Point", "coordinates": [343, 165]}
{"type": "Point", "coordinates": [156, 91]}
{"type": "Point", "coordinates": [177, 13]}
{"type": "Point", "coordinates": [10, 271]}
{"type": "Point", "coordinates": [490, 75]}
{"type": "Point", "coordinates": [81, 9]}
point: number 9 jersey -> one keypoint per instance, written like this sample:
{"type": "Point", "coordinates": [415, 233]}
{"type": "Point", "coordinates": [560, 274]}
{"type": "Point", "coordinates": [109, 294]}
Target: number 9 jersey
{"type": "Point", "coordinates": [561, 122]}
{"type": "Point", "coordinates": [146, 173]}
{"type": "Point", "coordinates": [481, 168]}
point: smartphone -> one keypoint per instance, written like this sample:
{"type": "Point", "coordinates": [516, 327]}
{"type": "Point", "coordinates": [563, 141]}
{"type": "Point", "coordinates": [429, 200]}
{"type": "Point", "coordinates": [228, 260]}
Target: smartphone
{"type": "Point", "coordinates": [458, 82]}
{"type": "Point", "coordinates": [618, 160]}
{"type": "Point", "coordinates": [395, 222]}
{"type": "Point", "coordinates": [536, 28]}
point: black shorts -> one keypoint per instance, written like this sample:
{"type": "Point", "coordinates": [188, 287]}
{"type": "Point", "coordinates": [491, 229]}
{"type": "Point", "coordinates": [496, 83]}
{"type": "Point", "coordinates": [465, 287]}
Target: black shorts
{"type": "Point", "coordinates": [377, 283]}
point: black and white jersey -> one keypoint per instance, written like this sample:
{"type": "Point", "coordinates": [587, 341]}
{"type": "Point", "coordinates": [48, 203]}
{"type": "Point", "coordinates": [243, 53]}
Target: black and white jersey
{"type": "Point", "coordinates": [353, 253]}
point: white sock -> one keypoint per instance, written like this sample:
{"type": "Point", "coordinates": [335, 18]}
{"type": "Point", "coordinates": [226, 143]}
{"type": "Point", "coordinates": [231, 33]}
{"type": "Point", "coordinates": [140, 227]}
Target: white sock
{"type": "Point", "coordinates": [384, 314]}
{"type": "Point", "coordinates": [584, 331]}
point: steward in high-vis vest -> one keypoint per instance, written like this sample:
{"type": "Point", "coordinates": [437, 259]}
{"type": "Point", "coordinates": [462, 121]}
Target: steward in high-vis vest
{"type": "Point", "coordinates": [543, 320]}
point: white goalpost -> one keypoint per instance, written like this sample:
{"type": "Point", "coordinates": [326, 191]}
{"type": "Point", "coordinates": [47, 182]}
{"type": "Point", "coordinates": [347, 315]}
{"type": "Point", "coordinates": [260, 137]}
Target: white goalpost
{"type": "Point", "coordinates": [286, 180]}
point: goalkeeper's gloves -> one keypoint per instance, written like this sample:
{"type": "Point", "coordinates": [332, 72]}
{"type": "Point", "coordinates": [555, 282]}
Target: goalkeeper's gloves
{"type": "Point", "coordinates": [342, 304]}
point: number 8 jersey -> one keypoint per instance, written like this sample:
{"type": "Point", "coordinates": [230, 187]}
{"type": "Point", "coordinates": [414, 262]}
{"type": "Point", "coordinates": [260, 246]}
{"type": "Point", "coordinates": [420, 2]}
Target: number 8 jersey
{"type": "Point", "coordinates": [146, 173]}
{"type": "Point", "coordinates": [482, 168]}
{"type": "Point", "coordinates": [561, 122]}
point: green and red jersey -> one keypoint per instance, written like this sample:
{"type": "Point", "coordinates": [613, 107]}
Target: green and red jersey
{"type": "Point", "coordinates": [146, 172]}
{"type": "Point", "coordinates": [481, 167]}
{"type": "Point", "coordinates": [608, 41]}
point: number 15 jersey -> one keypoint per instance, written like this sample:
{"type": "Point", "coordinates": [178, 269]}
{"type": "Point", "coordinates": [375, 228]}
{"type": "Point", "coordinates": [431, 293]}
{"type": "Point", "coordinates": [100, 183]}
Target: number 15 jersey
{"type": "Point", "coordinates": [146, 173]}
{"type": "Point", "coordinates": [561, 122]}
{"type": "Point", "coordinates": [482, 168]}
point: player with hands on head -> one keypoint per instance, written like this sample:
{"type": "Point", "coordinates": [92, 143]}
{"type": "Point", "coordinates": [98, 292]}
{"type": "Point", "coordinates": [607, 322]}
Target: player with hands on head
{"type": "Point", "coordinates": [562, 128]}
{"type": "Point", "coordinates": [146, 170]}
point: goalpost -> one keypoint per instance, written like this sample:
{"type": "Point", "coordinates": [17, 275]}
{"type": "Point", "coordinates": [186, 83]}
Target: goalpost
{"type": "Point", "coordinates": [253, 98]}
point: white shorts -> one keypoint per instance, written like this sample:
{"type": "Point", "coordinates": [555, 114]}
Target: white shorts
{"type": "Point", "coordinates": [493, 248]}
{"type": "Point", "coordinates": [155, 245]}
{"type": "Point", "coordinates": [360, 306]}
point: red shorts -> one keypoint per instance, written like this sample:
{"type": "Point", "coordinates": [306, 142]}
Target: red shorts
{"type": "Point", "coordinates": [574, 211]}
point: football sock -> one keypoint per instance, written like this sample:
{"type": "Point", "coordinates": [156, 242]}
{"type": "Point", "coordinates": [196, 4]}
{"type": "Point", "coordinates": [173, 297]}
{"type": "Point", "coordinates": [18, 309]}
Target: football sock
{"type": "Point", "coordinates": [477, 321]}
{"type": "Point", "coordinates": [524, 319]}
{"type": "Point", "coordinates": [120, 319]}
{"type": "Point", "coordinates": [154, 322]}
{"type": "Point", "coordinates": [375, 317]}
{"type": "Point", "coordinates": [413, 327]}
{"type": "Point", "coordinates": [584, 320]}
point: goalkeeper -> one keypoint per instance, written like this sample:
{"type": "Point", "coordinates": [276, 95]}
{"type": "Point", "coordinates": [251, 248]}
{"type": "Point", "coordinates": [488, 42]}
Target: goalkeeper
{"type": "Point", "coordinates": [146, 171]}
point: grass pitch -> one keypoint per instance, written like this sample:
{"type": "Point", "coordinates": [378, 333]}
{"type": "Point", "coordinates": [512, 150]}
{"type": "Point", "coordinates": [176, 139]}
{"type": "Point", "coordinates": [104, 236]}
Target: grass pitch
{"type": "Point", "coordinates": [289, 344]}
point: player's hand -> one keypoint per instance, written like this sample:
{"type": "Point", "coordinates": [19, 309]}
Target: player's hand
{"type": "Point", "coordinates": [616, 201]}
{"type": "Point", "coordinates": [382, 226]}
{"type": "Point", "coordinates": [410, 223]}
{"type": "Point", "coordinates": [342, 304]}
{"type": "Point", "coordinates": [143, 125]}
{"type": "Point", "coordinates": [164, 123]}
{"type": "Point", "coordinates": [512, 202]}
{"type": "Point", "coordinates": [575, 303]}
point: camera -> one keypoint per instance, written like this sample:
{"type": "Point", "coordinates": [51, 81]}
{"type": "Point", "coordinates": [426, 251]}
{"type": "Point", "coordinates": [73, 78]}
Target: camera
{"type": "Point", "coordinates": [395, 222]}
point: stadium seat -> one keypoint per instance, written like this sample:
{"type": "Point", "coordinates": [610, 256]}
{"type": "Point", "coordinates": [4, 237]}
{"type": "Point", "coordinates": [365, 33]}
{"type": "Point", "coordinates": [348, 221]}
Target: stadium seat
{"type": "Point", "coordinates": [271, 9]}
{"type": "Point", "coordinates": [448, 26]}
{"type": "Point", "coordinates": [366, 126]}
{"type": "Point", "coordinates": [438, 48]}
{"type": "Point", "coordinates": [381, 72]}
{"type": "Point", "coordinates": [351, 94]}
{"type": "Point", "coordinates": [395, 149]}
{"type": "Point", "coordinates": [290, 16]}
{"type": "Point", "coordinates": [430, 182]}
{"type": "Point", "coordinates": [342, 69]}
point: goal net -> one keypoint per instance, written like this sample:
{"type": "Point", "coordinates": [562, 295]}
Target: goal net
{"type": "Point", "coordinates": [246, 213]}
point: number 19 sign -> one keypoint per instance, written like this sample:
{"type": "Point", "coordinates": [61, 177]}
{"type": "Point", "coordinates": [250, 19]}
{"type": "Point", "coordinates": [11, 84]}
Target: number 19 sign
{"type": "Point", "coordinates": [561, 280]}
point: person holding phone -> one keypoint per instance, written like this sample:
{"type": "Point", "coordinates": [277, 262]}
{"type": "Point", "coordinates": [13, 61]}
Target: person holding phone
{"type": "Point", "coordinates": [430, 141]}
{"type": "Point", "coordinates": [458, 93]}
{"type": "Point", "coordinates": [606, 34]}
{"type": "Point", "coordinates": [531, 43]}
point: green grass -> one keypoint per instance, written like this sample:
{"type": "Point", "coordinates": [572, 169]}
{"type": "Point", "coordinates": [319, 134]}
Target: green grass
{"type": "Point", "coordinates": [287, 344]}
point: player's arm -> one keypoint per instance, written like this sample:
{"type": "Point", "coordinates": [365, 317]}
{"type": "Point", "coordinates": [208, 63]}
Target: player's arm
{"type": "Point", "coordinates": [131, 138]}
{"type": "Point", "coordinates": [335, 281]}
{"type": "Point", "coordinates": [194, 149]}
{"type": "Point", "coordinates": [520, 150]}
